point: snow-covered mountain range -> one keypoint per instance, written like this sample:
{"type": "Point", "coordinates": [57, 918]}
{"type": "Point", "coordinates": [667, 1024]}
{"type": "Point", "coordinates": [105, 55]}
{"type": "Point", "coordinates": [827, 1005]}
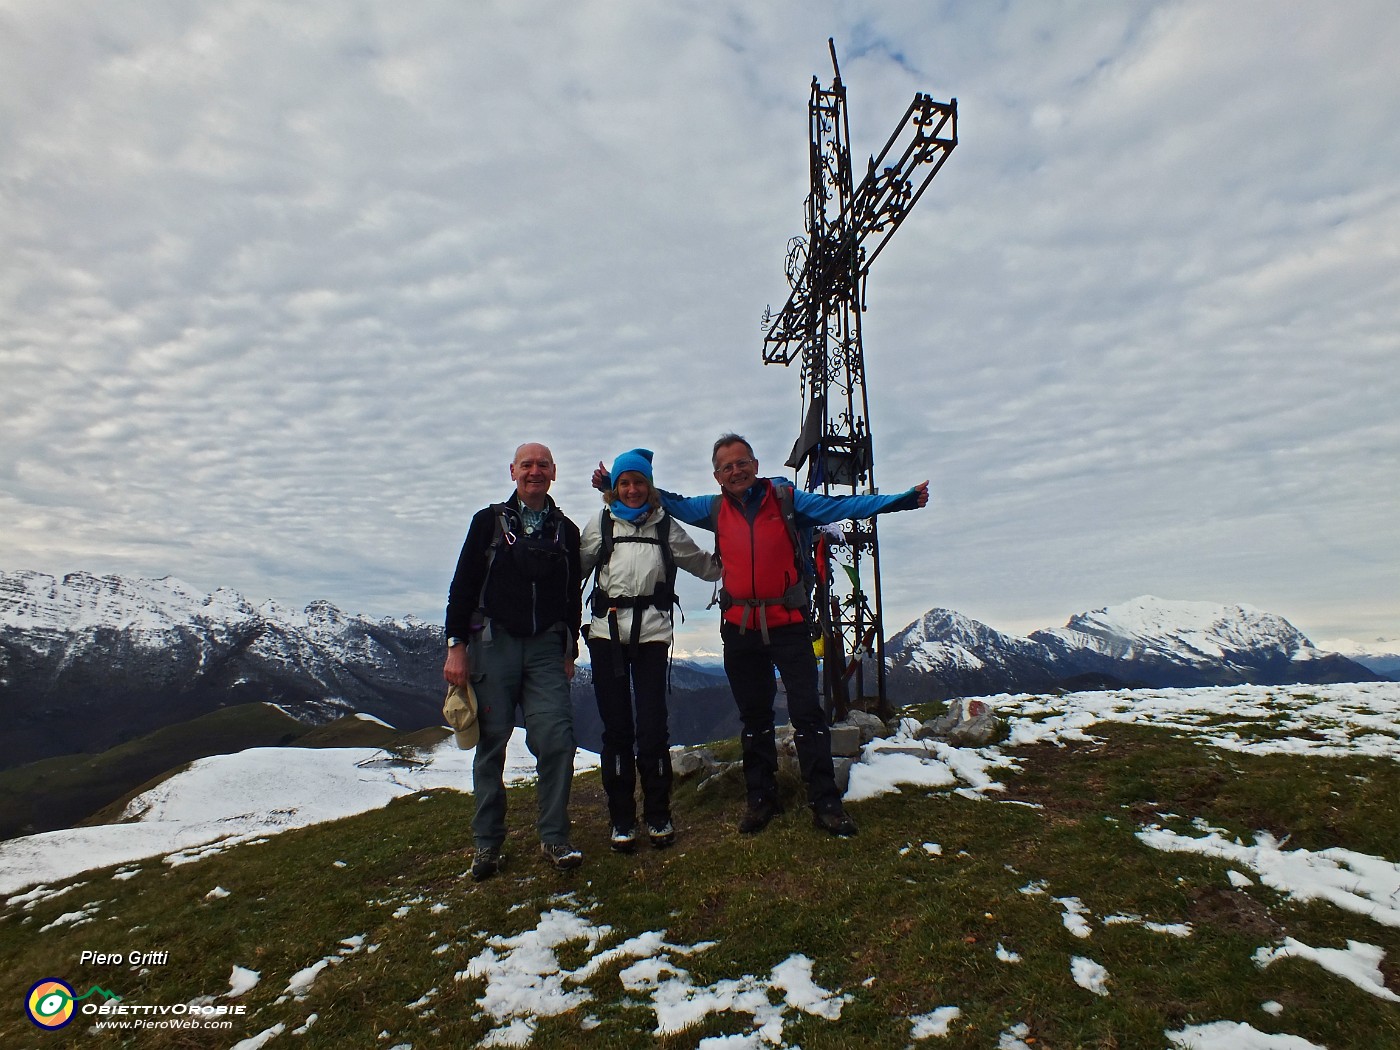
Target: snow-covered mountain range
{"type": "Point", "coordinates": [944, 654]}
{"type": "Point", "coordinates": [1381, 655]}
{"type": "Point", "coordinates": [87, 662]}
{"type": "Point", "coordinates": [1146, 641]}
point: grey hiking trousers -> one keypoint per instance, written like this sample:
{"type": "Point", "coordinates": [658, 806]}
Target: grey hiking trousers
{"type": "Point", "coordinates": [528, 673]}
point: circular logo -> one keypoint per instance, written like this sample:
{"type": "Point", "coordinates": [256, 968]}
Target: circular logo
{"type": "Point", "coordinates": [50, 1003]}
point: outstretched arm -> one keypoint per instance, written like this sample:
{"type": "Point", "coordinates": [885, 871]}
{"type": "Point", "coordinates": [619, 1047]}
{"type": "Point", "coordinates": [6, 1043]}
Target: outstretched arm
{"type": "Point", "coordinates": [813, 508]}
{"type": "Point", "coordinates": [693, 510]}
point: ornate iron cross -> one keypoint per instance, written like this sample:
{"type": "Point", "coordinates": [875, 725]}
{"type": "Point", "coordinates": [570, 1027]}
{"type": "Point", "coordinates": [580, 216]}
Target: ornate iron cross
{"type": "Point", "coordinates": [846, 230]}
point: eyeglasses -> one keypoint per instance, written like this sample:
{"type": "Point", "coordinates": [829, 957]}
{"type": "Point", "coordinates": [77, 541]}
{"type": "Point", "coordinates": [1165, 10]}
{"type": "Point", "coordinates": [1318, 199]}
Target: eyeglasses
{"type": "Point", "coordinates": [738, 464]}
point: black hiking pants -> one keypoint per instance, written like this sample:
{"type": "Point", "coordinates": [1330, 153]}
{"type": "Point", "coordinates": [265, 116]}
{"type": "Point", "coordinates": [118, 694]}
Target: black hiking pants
{"type": "Point", "coordinates": [750, 663]}
{"type": "Point", "coordinates": [636, 736]}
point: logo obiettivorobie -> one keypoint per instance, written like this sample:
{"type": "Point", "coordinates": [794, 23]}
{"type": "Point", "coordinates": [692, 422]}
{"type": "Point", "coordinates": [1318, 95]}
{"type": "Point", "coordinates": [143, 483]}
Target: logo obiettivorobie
{"type": "Point", "coordinates": [50, 1002]}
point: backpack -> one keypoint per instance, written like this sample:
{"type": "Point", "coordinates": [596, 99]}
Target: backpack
{"type": "Point", "coordinates": [604, 606]}
{"type": "Point", "coordinates": [534, 557]}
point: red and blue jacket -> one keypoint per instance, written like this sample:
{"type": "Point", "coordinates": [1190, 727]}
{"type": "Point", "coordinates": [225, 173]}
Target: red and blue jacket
{"type": "Point", "coordinates": [761, 564]}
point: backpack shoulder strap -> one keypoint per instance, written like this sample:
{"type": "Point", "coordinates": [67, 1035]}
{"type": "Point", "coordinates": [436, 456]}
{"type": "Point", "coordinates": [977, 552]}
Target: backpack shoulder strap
{"type": "Point", "coordinates": [506, 517]}
{"type": "Point", "coordinates": [502, 513]}
{"type": "Point", "coordinates": [786, 495]}
{"type": "Point", "coordinates": [605, 527]}
{"type": "Point", "coordinates": [668, 560]}
{"type": "Point", "coordinates": [787, 504]}
{"type": "Point", "coordinates": [605, 524]}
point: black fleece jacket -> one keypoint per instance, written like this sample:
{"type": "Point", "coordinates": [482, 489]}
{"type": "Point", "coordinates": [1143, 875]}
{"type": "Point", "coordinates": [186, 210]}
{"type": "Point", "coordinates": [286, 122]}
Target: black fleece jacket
{"type": "Point", "coordinates": [533, 584]}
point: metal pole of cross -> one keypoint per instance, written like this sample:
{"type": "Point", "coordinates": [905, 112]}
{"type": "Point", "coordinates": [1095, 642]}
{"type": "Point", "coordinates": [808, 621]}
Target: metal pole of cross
{"type": "Point", "coordinates": [846, 229]}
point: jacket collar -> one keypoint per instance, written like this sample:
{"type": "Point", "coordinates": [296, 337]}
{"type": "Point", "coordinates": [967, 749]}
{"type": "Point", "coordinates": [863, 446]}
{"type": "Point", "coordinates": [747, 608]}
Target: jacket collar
{"type": "Point", "coordinates": [754, 493]}
{"type": "Point", "coordinates": [513, 502]}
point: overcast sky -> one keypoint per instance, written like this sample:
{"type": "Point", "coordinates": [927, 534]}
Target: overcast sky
{"type": "Point", "coordinates": [283, 286]}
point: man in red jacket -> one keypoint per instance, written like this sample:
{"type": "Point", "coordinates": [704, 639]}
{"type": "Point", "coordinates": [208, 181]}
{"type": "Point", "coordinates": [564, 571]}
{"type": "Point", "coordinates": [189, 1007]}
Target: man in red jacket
{"type": "Point", "coordinates": [764, 624]}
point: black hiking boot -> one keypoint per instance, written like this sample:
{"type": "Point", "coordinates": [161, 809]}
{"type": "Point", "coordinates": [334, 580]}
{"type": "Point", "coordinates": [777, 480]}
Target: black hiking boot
{"type": "Point", "coordinates": [622, 841]}
{"type": "Point", "coordinates": [758, 817]}
{"type": "Point", "coordinates": [834, 821]}
{"type": "Point", "coordinates": [487, 861]}
{"type": "Point", "coordinates": [562, 855]}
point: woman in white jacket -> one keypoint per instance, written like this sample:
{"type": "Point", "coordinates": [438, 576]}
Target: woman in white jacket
{"type": "Point", "coordinates": [636, 549]}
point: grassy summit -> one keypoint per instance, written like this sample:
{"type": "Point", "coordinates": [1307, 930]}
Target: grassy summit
{"type": "Point", "coordinates": [1038, 912]}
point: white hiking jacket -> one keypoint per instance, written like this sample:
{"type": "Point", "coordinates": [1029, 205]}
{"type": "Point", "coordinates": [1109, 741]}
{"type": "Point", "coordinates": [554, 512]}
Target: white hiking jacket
{"type": "Point", "coordinates": [636, 569]}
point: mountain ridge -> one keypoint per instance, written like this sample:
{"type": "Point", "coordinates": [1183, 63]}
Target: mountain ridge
{"type": "Point", "coordinates": [1146, 641]}
{"type": "Point", "coordinates": [88, 661]}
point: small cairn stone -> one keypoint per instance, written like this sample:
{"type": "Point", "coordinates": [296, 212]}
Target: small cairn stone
{"type": "Point", "coordinates": [967, 723]}
{"type": "Point", "coordinates": [870, 726]}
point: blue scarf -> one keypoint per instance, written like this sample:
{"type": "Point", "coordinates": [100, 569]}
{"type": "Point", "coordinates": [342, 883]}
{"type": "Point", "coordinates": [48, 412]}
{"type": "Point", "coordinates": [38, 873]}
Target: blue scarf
{"type": "Point", "coordinates": [632, 515]}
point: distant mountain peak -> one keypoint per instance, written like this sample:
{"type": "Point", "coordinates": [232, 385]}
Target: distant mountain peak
{"type": "Point", "coordinates": [84, 601]}
{"type": "Point", "coordinates": [1145, 640]}
{"type": "Point", "coordinates": [1191, 632]}
{"type": "Point", "coordinates": [958, 651]}
{"type": "Point", "coordinates": [1148, 612]}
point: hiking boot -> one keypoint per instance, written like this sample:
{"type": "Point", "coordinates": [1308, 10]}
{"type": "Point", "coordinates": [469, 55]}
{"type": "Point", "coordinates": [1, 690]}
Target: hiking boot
{"type": "Point", "coordinates": [562, 855]}
{"type": "Point", "coordinates": [834, 821]}
{"type": "Point", "coordinates": [758, 817]}
{"type": "Point", "coordinates": [623, 841]}
{"type": "Point", "coordinates": [486, 861]}
{"type": "Point", "coordinates": [661, 835]}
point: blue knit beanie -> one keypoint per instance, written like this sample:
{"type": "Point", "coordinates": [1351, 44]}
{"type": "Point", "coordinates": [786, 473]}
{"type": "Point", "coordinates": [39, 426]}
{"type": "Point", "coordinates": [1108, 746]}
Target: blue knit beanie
{"type": "Point", "coordinates": [638, 459]}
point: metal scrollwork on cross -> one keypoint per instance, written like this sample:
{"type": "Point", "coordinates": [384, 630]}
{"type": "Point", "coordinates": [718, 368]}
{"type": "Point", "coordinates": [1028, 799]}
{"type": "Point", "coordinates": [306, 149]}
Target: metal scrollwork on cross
{"type": "Point", "coordinates": [847, 228]}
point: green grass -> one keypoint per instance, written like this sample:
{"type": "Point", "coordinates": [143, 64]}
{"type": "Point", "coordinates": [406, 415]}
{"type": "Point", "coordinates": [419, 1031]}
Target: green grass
{"type": "Point", "coordinates": [897, 930]}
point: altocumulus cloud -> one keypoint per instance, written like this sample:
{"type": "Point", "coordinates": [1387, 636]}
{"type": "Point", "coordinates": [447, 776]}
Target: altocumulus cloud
{"type": "Point", "coordinates": [283, 290]}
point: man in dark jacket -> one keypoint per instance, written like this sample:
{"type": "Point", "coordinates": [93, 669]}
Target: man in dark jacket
{"type": "Point", "coordinates": [513, 614]}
